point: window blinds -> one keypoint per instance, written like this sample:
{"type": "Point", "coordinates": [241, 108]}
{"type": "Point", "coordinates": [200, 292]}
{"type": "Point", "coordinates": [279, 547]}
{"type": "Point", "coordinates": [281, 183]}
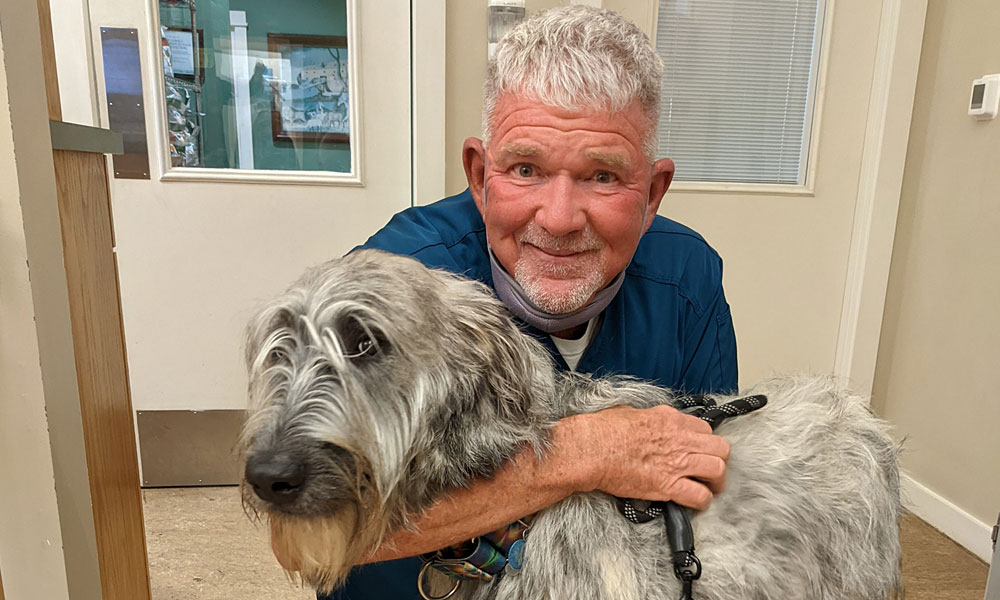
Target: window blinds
{"type": "Point", "coordinates": [738, 88]}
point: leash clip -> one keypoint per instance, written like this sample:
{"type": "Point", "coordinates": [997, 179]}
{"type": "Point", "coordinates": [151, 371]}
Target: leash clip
{"type": "Point", "coordinates": [683, 563]}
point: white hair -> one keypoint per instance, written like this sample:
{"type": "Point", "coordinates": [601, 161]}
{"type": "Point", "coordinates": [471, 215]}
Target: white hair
{"type": "Point", "coordinates": [577, 57]}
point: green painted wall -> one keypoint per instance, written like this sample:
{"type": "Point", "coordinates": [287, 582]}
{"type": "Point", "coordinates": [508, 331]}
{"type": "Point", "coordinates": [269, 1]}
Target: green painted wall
{"type": "Point", "coordinates": [306, 17]}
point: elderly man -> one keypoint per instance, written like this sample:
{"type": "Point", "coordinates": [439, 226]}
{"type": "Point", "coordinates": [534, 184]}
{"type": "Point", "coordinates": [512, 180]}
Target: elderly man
{"type": "Point", "coordinates": [560, 219]}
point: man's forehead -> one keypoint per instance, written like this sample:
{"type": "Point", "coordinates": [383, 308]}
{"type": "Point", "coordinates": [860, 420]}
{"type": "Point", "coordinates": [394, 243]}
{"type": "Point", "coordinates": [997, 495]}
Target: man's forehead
{"type": "Point", "coordinates": [613, 158]}
{"type": "Point", "coordinates": [513, 107]}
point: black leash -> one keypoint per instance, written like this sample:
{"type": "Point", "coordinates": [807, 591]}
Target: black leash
{"type": "Point", "coordinates": [680, 535]}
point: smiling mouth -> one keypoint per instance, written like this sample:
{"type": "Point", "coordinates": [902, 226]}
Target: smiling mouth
{"type": "Point", "coordinates": [558, 252]}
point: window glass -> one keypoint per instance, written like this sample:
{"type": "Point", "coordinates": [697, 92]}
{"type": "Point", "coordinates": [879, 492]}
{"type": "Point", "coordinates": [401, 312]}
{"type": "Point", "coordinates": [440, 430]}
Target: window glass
{"type": "Point", "coordinates": [257, 84]}
{"type": "Point", "coordinates": [738, 88]}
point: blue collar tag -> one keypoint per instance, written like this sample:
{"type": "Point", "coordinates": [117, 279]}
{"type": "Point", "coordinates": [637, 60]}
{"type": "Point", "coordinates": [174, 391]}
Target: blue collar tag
{"type": "Point", "coordinates": [515, 557]}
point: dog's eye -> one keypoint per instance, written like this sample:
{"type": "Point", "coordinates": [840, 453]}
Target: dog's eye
{"type": "Point", "coordinates": [360, 342]}
{"type": "Point", "coordinates": [366, 347]}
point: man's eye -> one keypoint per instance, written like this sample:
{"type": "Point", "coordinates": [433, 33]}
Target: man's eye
{"type": "Point", "coordinates": [604, 177]}
{"type": "Point", "coordinates": [525, 170]}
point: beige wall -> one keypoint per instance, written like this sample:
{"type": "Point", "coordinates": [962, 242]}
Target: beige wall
{"type": "Point", "coordinates": [941, 330]}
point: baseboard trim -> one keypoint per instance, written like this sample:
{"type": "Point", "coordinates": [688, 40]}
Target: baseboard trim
{"type": "Point", "coordinates": [946, 517]}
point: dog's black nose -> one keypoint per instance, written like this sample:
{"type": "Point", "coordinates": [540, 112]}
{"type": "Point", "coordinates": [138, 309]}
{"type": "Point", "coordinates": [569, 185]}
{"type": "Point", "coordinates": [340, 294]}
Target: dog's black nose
{"type": "Point", "coordinates": [276, 478]}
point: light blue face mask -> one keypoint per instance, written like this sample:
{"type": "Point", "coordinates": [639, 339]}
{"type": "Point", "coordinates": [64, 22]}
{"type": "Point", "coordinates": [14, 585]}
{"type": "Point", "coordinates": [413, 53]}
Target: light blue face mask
{"type": "Point", "coordinates": [513, 295]}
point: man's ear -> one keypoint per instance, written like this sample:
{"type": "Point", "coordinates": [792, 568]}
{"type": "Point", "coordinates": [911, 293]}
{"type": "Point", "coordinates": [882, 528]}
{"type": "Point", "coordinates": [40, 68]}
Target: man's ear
{"type": "Point", "coordinates": [474, 161]}
{"type": "Point", "coordinates": [663, 174]}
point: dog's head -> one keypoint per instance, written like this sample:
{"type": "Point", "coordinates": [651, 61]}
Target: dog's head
{"type": "Point", "coordinates": [369, 381]}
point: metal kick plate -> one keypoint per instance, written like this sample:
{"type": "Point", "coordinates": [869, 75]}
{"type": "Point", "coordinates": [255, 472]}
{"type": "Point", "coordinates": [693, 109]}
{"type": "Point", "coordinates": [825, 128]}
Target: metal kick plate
{"type": "Point", "coordinates": [181, 448]}
{"type": "Point", "coordinates": [123, 89]}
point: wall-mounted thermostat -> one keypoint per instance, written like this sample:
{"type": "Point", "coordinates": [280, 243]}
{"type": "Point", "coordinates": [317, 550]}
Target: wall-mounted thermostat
{"type": "Point", "coordinates": [985, 97]}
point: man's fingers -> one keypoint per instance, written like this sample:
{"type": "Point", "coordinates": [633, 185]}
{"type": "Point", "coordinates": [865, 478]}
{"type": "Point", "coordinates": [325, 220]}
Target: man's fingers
{"type": "Point", "coordinates": [712, 445]}
{"type": "Point", "coordinates": [692, 494]}
{"type": "Point", "coordinates": [709, 469]}
{"type": "Point", "coordinates": [695, 425]}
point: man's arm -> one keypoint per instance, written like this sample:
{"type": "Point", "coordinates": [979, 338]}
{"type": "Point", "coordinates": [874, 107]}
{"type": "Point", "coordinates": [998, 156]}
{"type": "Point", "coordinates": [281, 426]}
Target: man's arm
{"type": "Point", "coordinates": [654, 454]}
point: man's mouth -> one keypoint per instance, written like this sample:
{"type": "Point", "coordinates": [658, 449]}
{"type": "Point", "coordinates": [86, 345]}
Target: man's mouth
{"type": "Point", "coordinates": [558, 252]}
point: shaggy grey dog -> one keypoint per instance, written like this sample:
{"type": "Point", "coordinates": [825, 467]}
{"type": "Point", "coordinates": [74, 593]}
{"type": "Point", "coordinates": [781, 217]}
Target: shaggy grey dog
{"type": "Point", "coordinates": [377, 385]}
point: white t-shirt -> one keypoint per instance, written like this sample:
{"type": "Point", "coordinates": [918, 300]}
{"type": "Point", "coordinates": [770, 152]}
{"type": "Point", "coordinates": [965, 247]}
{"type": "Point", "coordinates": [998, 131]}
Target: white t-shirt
{"type": "Point", "coordinates": [572, 350]}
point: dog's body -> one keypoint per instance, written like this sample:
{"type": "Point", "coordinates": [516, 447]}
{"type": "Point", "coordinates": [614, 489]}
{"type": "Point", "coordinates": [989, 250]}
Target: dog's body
{"type": "Point", "coordinates": [388, 385]}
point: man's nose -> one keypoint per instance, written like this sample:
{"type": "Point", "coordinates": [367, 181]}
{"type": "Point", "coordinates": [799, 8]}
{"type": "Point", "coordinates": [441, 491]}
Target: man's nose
{"type": "Point", "coordinates": [562, 210]}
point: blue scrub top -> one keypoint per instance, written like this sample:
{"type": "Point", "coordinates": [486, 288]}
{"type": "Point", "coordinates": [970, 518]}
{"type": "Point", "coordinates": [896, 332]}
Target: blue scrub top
{"type": "Point", "coordinates": [669, 324]}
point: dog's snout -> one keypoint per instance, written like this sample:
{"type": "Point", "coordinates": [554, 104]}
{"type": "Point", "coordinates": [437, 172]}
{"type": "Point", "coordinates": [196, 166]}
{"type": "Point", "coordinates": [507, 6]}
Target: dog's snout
{"type": "Point", "coordinates": [276, 478]}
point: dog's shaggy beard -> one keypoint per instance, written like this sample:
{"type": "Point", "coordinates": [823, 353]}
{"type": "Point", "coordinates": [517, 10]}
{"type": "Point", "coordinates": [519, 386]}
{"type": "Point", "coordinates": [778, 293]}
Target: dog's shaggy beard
{"type": "Point", "coordinates": [320, 547]}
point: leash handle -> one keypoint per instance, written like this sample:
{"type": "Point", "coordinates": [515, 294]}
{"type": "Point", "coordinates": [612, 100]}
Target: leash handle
{"type": "Point", "coordinates": [679, 533]}
{"type": "Point", "coordinates": [680, 537]}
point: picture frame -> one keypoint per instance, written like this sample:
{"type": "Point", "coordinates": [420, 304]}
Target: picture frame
{"type": "Point", "coordinates": [310, 90]}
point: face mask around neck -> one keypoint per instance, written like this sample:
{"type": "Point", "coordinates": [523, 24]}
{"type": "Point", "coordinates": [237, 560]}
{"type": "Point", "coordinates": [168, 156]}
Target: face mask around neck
{"type": "Point", "coordinates": [514, 297]}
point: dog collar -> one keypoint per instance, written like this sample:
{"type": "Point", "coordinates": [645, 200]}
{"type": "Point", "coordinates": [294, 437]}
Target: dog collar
{"type": "Point", "coordinates": [485, 558]}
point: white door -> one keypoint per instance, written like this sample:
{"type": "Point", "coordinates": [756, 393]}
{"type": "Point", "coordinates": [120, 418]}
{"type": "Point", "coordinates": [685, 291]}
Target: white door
{"type": "Point", "coordinates": [200, 247]}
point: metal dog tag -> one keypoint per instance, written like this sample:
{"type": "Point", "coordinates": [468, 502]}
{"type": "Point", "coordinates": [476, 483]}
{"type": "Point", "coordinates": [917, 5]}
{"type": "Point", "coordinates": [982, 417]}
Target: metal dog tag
{"type": "Point", "coordinates": [515, 558]}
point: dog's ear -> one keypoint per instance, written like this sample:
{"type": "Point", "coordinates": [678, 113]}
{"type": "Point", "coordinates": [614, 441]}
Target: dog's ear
{"type": "Point", "coordinates": [500, 375]}
{"type": "Point", "coordinates": [511, 367]}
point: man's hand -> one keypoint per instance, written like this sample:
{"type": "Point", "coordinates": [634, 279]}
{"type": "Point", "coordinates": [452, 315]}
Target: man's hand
{"type": "Point", "coordinates": [654, 454]}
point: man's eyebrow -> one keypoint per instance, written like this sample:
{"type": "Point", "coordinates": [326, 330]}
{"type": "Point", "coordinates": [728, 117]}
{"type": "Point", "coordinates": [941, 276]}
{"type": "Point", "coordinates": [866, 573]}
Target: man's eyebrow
{"type": "Point", "coordinates": [617, 161]}
{"type": "Point", "coordinates": [521, 149]}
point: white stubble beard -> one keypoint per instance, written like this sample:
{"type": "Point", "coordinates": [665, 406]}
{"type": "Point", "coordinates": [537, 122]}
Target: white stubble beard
{"type": "Point", "coordinates": [586, 274]}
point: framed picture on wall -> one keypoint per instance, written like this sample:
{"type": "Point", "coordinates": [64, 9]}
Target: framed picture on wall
{"type": "Point", "coordinates": [310, 92]}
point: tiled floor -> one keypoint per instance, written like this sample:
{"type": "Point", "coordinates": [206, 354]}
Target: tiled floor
{"type": "Point", "coordinates": [202, 546]}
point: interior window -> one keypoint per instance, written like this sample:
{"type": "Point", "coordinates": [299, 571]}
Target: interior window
{"type": "Point", "coordinates": [257, 84]}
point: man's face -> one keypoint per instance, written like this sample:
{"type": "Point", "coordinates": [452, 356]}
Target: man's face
{"type": "Point", "coordinates": [568, 194]}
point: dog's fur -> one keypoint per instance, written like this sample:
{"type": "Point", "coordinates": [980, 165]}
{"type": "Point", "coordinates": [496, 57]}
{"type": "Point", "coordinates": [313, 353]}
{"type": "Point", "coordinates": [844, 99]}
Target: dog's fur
{"type": "Point", "coordinates": [447, 388]}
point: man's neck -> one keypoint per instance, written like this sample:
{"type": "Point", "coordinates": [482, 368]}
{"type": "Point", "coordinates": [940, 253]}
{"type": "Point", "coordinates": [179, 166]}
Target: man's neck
{"type": "Point", "coordinates": [573, 333]}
